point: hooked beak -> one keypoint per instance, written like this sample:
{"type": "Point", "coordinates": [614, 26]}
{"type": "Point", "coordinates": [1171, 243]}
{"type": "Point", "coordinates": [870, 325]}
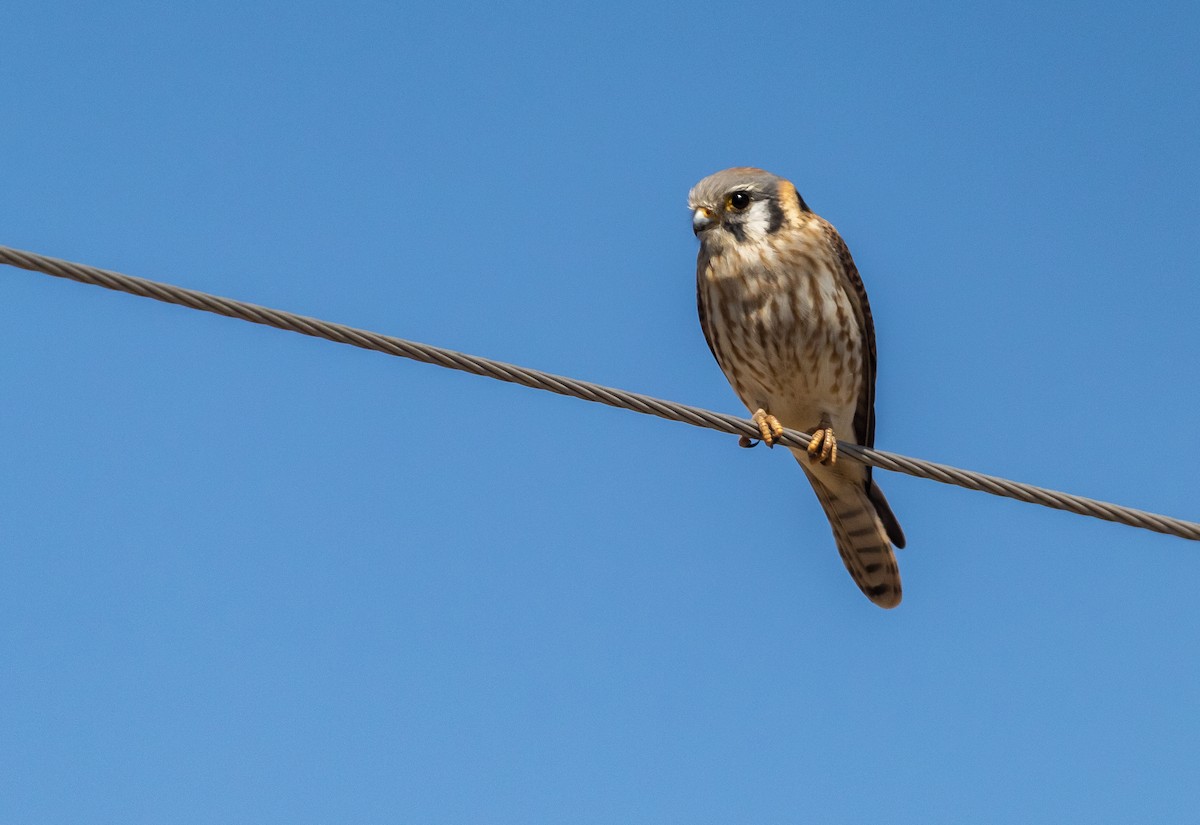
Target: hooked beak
{"type": "Point", "coordinates": [702, 219]}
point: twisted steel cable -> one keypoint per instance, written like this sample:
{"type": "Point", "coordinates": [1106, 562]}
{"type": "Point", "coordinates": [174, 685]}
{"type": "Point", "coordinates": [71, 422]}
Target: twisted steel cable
{"type": "Point", "coordinates": [586, 390]}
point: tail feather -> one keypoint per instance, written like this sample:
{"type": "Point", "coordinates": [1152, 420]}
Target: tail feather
{"type": "Point", "coordinates": [884, 511]}
{"type": "Point", "coordinates": [864, 528]}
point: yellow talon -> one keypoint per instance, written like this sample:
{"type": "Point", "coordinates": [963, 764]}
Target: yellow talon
{"type": "Point", "coordinates": [768, 426]}
{"type": "Point", "coordinates": [823, 445]}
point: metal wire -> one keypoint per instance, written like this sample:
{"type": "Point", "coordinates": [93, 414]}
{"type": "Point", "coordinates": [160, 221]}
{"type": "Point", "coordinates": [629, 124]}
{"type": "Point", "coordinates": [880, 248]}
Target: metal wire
{"type": "Point", "coordinates": [586, 390]}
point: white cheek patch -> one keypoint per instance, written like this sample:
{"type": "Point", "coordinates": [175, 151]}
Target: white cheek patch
{"type": "Point", "coordinates": [757, 222]}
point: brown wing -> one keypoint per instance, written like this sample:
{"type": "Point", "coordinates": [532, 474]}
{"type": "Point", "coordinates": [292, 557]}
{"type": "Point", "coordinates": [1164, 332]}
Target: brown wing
{"type": "Point", "coordinates": [702, 309]}
{"type": "Point", "coordinates": [864, 413]}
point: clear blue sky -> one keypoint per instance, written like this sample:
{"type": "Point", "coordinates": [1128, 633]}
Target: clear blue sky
{"type": "Point", "coordinates": [253, 577]}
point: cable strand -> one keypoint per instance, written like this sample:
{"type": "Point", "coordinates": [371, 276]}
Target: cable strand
{"type": "Point", "coordinates": [585, 390]}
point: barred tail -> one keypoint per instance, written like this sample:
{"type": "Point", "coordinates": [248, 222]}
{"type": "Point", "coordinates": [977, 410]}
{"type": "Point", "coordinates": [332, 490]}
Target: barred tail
{"type": "Point", "coordinates": [864, 529]}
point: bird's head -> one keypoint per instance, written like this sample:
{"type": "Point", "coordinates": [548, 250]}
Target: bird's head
{"type": "Point", "coordinates": [742, 205]}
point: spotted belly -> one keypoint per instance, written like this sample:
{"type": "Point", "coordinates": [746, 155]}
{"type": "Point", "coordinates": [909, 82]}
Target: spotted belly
{"type": "Point", "coordinates": [789, 343]}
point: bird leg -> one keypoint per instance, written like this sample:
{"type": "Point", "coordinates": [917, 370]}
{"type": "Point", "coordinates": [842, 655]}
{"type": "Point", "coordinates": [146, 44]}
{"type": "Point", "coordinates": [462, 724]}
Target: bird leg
{"type": "Point", "coordinates": [768, 425]}
{"type": "Point", "coordinates": [823, 446]}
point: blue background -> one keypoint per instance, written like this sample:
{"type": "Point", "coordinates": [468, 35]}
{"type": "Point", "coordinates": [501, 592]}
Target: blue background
{"type": "Point", "coordinates": [253, 577]}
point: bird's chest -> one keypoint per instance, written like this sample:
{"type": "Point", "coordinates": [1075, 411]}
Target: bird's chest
{"type": "Point", "coordinates": [785, 334]}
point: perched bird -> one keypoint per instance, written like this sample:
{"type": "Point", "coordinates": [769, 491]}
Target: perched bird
{"type": "Point", "coordinates": [786, 316]}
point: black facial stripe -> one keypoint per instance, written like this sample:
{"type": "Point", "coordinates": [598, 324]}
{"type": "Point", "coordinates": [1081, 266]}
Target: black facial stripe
{"type": "Point", "coordinates": [776, 216]}
{"type": "Point", "coordinates": [737, 231]}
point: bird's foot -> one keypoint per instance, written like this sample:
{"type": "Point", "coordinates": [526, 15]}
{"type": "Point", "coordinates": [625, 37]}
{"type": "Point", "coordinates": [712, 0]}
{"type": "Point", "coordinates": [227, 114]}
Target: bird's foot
{"type": "Point", "coordinates": [768, 426]}
{"type": "Point", "coordinates": [822, 446]}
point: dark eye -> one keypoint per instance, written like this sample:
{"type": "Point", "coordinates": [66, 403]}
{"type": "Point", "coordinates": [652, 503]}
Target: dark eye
{"type": "Point", "coordinates": [739, 201]}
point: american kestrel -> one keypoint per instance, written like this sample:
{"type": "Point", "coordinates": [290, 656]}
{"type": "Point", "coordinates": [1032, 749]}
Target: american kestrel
{"type": "Point", "coordinates": [786, 316]}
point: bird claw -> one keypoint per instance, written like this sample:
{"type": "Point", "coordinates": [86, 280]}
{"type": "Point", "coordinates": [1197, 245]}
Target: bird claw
{"type": "Point", "coordinates": [768, 425]}
{"type": "Point", "coordinates": [823, 446]}
{"type": "Point", "coordinates": [746, 441]}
